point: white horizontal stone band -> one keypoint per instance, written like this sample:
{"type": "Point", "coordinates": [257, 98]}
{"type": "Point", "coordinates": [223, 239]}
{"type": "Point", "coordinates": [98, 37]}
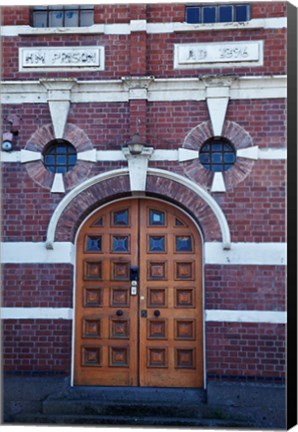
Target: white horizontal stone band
{"type": "Point", "coordinates": [156, 90]}
{"type": "Point", "coordinates": [246, 316]}
{"type": "Point", "coordinates": [143, 25]}
{"type": "Point", "coordinates": [158, 155]}
{"type": "Point", "coordinates": [216, 315]}
{"type": "Point", "coordinates": [246, 253]}
{"type": "Point", "coordinates": [64, 253]}
{"type": "Point", "coordinates": [31, 253]}
{"type": "Point", "coordinates": [36, 313]}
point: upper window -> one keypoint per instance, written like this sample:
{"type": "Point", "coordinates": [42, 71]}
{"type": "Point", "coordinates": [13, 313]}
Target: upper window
{"type": "Point", "coordinates": [217, 154]}
{"type": "Point", "coordinates": [62, 16]}
{"type": "Point", "coordinates": [208, 14]}
{"type": "Point", "coordinates": [59, 156]}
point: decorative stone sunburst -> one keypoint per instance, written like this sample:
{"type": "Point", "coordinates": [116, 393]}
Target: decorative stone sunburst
{"type": "Point", "coordinates": [33, 158]}
{"type": "Point", "coordinates": [246, 154]}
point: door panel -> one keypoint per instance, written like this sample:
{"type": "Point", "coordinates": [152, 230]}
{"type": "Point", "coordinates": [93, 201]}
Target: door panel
{"type": "Point", "coordinates": [106, 313]}
{"type": "Point", "coordinates": [170, 292]}
{"type": "Point", "coordinates": [153, 338]}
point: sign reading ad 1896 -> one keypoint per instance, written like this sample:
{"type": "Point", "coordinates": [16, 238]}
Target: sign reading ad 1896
{"type": "Point", "coordinates": [222, 54]}
{"type": "Point", "coordinates": [65, 58]}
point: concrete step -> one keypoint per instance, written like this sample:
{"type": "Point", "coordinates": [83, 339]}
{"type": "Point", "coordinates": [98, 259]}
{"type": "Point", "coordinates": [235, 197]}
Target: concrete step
{"type": "Point", "coordinates": [131, 395]}
{"type": "Point", "coordinates": [138, 409]}
{"type": "Point", "coordinates": [70, 419]}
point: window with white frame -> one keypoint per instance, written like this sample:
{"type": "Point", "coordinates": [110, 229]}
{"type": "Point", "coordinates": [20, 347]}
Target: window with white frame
{"type": "Point", "coordinates": [62, 16]}
{"type": "Point", "coordinates": [220, 13]}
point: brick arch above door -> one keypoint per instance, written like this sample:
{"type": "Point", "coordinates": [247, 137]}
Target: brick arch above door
{"type": "Point", "coordinates": [106, 187]}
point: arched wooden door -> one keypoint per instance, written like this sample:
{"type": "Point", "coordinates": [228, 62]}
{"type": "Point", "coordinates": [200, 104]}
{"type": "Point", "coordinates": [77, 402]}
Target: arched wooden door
{"type": "Point", "coordinates": [138, 319]}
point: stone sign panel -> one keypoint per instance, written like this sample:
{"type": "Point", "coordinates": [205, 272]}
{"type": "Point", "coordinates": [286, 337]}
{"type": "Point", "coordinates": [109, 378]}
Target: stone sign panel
{"type": "Point", "coordinates": [222, 54]}
{"type": "Point", "coordinates": [61, 58]}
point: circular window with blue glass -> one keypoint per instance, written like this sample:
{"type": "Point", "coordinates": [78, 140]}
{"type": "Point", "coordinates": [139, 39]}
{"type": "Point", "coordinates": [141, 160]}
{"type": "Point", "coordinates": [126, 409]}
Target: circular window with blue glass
{"type": "Point", "coordinates": [217, 154]}
{"type": "Point", "coordinates": [59, 156]}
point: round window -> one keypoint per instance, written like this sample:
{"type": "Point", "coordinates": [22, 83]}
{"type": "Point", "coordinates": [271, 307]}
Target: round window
{"type": "Point", "coordinates": [59, 156]}
{"type": "Point", "coordinates": [217, 154]}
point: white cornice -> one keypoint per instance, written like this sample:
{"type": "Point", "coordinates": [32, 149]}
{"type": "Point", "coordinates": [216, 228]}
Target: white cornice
{"type": "Point", "coordinates": [155, 90]}
{"type": "Point", "coordinates": [143, 25]}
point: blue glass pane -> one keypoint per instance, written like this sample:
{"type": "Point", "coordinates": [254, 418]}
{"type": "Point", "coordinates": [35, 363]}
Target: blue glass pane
{"type": "Point", "coordinates": [183, 244]}
{"type": "Point", "coordinates": [120, 244]}
{"type": "Point", "coordinates": [216, 147]}
{"type": "Point", "coordinates": [60, 169]}
{"type": "Point", "coordinates": [87, 18]}
{"type": "Point", "coordinates": [229, 157]}
{"type": "Point", "coordinates": [93, 244]}
{"type": "Point", "coordinates": [226, 167]}
{"type": "Point", "coordinates": [206, 148]}
{"type": "Point", "coordinates": [120, 217]}
{"type": "Point", "coordinates": [156, 244]}
{"type": "Point", "coordinates": [193, 15]}
{"type": "Point", "coordinates": [225, 14]}
{"type": "Point", "coordinates": [61, 160]}
{"type": "Point", "coordinates": [60, 149]}
{"type": "Point", "coordinates": [49, 160]}
{"type": "Point", "coordinates": [178, 222]}
{"type": "Point", "coordinates": [40, 19]}
{"type": "Point", "coordinates": [216, 157]}
{"type": "Point", "coordinates": [72, 159]}
{"type": "Point", "coordinates": [209, 14]}
{"type": "Point", "coordinates": [241, 13]}
{"type": "Point", "coordinates": [205, 157]}
{"type": "Point", "coordinates": [56, 19]}
{"type": "Point", "coordinates": [216, 168]}
{"type": "Point", "coordinates": [71, 18]}
{"type": "Point", "coordinates": [156, 217]}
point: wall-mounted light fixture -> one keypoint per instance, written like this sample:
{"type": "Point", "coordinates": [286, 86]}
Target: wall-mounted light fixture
{"type": "Point", "coordinates": [135, 146]}
{"type": "Point", "coordinates": [7, 138]}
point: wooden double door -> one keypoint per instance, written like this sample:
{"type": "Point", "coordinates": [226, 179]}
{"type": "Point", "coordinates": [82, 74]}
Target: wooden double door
{"type": "Point", "coordinates": [138, 319]}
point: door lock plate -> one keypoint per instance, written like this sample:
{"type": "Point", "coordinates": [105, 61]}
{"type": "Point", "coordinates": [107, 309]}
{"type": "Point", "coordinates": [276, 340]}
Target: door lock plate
{"type": "Point", "coordinates": [134, 288]}
{"type": "Point", "coordinates": [143, 313]}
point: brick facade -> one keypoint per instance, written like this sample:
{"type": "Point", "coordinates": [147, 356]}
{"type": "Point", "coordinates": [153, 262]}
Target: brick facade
{"type": "Point", "coordinates": [253, 204]}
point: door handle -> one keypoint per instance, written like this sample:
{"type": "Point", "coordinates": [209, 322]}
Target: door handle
{"type": "Point", "coordinates": [156, 313]}
{"type": "Point", "coordinates": [119, 312]}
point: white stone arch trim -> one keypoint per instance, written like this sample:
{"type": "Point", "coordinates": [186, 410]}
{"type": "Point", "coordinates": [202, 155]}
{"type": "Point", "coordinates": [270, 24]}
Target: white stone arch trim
{"type": "Point", "coordinates": [202, 193]}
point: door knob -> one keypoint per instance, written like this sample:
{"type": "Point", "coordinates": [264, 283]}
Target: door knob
{"type": "Point", "coordinates": [119, 312]}
{"type": "Point", "coordinates": [156, 313]}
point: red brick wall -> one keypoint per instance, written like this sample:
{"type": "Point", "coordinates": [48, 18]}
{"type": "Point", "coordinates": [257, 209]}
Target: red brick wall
{"type": "Point", "coordinates": [37, 346]}
{"type": "Point", "coordinates": [245, 287]}
{"type": "Point", "coordinates": [245, 351]}
{"type": "Point", "coordinates": [38, 285]}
